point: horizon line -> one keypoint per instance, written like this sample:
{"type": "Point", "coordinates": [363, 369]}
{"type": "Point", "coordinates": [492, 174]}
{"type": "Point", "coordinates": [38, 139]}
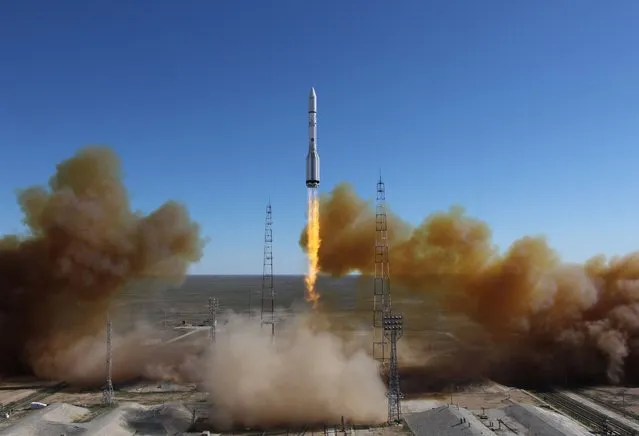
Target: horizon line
{"type": "Point", "coordinates": [260, 275]}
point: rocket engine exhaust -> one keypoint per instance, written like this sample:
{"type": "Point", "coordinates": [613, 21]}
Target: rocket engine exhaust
{"type": "Point", "coordinates": [313, 235]}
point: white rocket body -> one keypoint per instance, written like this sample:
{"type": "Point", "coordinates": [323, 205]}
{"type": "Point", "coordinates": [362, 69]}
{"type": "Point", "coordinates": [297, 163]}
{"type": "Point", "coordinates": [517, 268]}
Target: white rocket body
{"type": "Point", "coordinates": [312, 158]}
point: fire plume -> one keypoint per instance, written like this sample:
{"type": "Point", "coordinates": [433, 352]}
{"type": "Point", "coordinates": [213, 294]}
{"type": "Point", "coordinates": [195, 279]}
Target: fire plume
{"type": "Point", "coordinates": [314, 242]}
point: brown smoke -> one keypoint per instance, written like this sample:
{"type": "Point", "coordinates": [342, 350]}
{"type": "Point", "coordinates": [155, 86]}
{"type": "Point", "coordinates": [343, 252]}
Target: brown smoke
{"type": "Point", "coordinates": [302, 377]}
{"type": "Point", "coordinates": [138, 352]}
{"type": "Point", "coordinates": [83, 245]}
{"type": "Point", "coordinates": [540, 320]}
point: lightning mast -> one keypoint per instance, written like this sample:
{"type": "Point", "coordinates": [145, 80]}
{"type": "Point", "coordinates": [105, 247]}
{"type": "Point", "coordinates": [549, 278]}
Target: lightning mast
{"type": "Point", "coordinates": [212, 318]}
{"type": "Point", "coordinates": [381, 281]}
{"type": "Point", "coordinates": [267, 315]}
{"type": "Point", "coordinates": [393, 330]}
{"type": "Point", "coordinates": [108, 395]}
{"type": "Point", "coordinates": [388, 327]}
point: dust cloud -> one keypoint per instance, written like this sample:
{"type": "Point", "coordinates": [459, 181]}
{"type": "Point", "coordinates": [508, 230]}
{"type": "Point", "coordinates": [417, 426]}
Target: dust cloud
{"type": "Point", "coordinates": [304, 376]}
{"type": "Point", "coordinates": [522, 316]}
{"type": "Point", "coordinates": [83, 244]}
{"type": "Point", "coordinates": [139, 352]}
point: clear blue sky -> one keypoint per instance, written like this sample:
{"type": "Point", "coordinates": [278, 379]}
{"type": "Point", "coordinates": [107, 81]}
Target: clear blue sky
{"type": "Point", "coordinates": [526, 113]}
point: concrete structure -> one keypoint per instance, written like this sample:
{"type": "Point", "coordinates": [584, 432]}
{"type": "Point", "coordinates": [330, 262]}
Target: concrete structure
{"type": "Point", "coordinates": [446, 421]}
{"type": "Point", "coordinates": [54, 420]}
{"type": "Point", "coordinates": [127, 419]}
{"type": "Point", "coordinates": [488, 414]}
{"type": "Point", "coordinates": [536, 422]}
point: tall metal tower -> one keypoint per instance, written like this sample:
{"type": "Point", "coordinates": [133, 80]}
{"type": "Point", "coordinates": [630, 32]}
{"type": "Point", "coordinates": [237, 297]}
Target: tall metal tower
{"type": "Point", "coordinates": [108, 396]}
{"type": "Point", "coordinates": [212, 318]}
{"type": "Point", "coordinates": [268, 291]}
{"type": "Point", "coordinates": [393, 330]}
{"type": "Point", "coordinates": [381, 284]}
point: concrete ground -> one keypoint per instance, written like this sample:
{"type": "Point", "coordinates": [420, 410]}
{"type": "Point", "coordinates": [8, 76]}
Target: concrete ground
{"type": "Point", "coordinates": [152, 408]}
{"type": "Point", "coordinates": [486, 409]}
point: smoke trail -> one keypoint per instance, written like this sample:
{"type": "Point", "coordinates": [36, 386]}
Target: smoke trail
{"type": "Point", "coordinates": [314, 243]}
{"type": "Point", "coordinates": [527, 316]}
{"type": "Point", "coordinates": [305, 377]}
{"type": "Point", "coordinates": [84, 244]}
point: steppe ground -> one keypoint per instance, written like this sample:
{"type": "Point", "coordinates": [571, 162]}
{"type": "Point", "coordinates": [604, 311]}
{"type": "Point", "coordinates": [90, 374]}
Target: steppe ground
{"type": "Point", "coordinates": [347, 300]}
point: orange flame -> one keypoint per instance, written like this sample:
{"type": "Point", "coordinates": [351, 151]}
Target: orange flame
{"type": "Point", "coordinates": [313, 233]}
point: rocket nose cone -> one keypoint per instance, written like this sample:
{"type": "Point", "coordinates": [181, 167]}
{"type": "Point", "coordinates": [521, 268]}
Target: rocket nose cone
{"type": "Point", "coordinates": [312, 93]}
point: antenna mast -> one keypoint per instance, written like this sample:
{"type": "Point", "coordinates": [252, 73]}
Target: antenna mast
{"type": "Point", "coordinates": [393, 330]}
{"type": "Point", "coordinates": [212, 318]}
{"type": "Point", "coordinates": [387, 327]}
{"type": "Point", "coordinates": [381, 281]}
{"type": "Point", "coordinates": [108, 395]}
{"type": "Point", "coordinates": [268, 291]}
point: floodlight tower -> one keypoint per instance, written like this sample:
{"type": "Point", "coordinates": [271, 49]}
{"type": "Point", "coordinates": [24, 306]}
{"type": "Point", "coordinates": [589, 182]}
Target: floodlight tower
{"type": "Point", "coordinates": [268, 291]}
{"type": "Point", "coordinates": [212, 317]}
{"type": "Point", "coordinates": [108, 395]}
{"type": "Point", "coordinates": [381, 284]}
{"type": "Point", "coordinates": [393, 330]}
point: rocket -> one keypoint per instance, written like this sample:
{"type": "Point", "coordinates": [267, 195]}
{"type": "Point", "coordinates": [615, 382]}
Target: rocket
{"type": "Point", "coordinates": [312, 158]}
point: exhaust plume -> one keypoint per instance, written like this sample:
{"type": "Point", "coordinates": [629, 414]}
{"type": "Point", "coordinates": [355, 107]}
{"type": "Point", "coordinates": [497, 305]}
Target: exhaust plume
{"type": "Point", "coordinates": [540, 320]}
{"type": "Point", "coordinates": [304, 376]}
{"type": "Point", "coordinates": [314, 242]}
{"type": "Point", "coordinates": [82, 246]}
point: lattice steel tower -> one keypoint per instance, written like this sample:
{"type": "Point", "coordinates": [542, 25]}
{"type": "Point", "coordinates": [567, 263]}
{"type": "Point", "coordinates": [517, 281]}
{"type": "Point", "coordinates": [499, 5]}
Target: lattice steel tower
{"type": "Point", "coordinates": [381, 284]}
{"type": "Point", "coordinates": [393, 330]}
{"type": "Point", "coordinates": [267, 315]}
{"type": "Point", "coordinates": [108, 395]}
{"type": "Point", "coordinates": [212, 318]}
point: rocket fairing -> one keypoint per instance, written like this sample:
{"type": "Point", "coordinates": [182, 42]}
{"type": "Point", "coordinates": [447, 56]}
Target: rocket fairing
{"type": "Point", "coordinates": [312, 158]}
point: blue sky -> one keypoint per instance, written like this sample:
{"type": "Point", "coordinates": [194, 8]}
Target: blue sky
{"type": "Point", "coordinates": [523, 112]}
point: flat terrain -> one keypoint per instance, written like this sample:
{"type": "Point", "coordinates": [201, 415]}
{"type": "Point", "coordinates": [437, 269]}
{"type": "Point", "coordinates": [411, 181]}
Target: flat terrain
{"type": "Point", "coordinates": [345, 302]}
{"type": "Point", "coordinates": [623, 398]}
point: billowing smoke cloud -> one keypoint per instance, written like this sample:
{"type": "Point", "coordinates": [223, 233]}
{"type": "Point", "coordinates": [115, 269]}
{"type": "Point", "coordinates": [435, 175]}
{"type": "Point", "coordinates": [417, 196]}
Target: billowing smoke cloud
{"type": "Point", "coordinates": [83, 245]}
{"type": "Point", "coordinates": [541, 320]}
{"type": "Point", "coordinates": [302, 377]}
{"type": "Point", "coordinates": [138, 352]}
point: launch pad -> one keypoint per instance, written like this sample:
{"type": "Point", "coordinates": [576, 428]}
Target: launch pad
{"type": "Point", "coordinates": [154, 408]}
